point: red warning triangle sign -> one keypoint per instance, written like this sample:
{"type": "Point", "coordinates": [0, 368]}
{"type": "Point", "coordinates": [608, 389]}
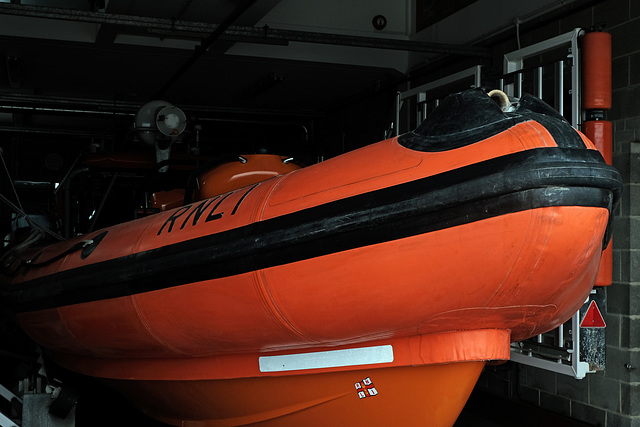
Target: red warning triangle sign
{"type": "Point", "coordinates": [593, 318]}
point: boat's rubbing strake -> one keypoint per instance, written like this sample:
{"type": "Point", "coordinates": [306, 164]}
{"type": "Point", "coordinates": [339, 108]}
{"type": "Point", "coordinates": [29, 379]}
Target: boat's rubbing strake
{"type": "Point", "coordinates": [531, 179]}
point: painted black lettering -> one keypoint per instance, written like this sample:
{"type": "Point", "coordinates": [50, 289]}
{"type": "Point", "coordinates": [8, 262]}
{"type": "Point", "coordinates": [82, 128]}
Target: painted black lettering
{"type": "Point", "coordinates": [173, 217]}
{"type": "Point", "coordinates": [242, 199]}
{"type": "Point", "coordinates": [213, 215]}
{"type": "Point", "coordinates": [197, 212]}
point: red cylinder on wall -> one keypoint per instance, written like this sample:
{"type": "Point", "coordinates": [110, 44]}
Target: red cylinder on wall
{"type": "Point", "coordinates": [596, 75]}
{"type": "Point", "coordinates": [596, 95]}
{"type": "Point", "coordinates": [600, 132]}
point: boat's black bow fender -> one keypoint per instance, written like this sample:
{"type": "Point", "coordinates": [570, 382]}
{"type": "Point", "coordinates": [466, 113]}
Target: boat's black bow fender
{"type": "Point", "coordinates": [471, 116]}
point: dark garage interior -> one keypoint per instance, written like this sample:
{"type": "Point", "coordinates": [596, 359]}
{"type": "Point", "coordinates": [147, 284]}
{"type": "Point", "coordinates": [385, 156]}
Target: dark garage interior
{"type": "Point", "coordinates": [223, 80]}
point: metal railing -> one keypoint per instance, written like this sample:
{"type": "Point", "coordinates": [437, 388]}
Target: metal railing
{"type": "Point", "coordinates": [419, 94]}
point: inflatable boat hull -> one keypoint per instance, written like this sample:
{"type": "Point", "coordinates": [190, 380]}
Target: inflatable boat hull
{"type": "Point", "coordinates": [407, 264]}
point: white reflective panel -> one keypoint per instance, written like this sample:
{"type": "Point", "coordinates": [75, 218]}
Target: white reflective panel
{"type": "Point", "coordinates": [327, 359]}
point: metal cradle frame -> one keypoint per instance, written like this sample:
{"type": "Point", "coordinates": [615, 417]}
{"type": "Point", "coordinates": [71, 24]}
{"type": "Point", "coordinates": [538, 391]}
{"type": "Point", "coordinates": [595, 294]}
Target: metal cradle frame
{"type": "Point", "coordinates": [559, 350]}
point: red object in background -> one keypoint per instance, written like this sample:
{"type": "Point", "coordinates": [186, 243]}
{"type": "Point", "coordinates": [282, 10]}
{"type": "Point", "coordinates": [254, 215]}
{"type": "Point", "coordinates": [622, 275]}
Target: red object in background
{"type": "Point", "coordinates": [600, 133]}
{"type": "Point", "coordinates": [232, 175]}
{"type": "Point", "coordinates": [596, 77]}
{"type": "Point", "coordinates": [596, 95]}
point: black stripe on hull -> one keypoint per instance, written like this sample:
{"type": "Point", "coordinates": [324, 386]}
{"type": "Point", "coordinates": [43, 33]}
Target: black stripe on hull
{"type": "Point", "coordinates": [527, 180]}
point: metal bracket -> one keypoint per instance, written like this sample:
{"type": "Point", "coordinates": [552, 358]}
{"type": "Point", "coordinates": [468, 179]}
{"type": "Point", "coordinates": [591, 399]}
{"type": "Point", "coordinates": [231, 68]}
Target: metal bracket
{"type": "Point", "coordinates": [584, 350]}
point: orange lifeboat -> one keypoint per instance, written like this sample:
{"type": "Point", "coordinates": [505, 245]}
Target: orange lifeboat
{"type": "Point", "coordinates": [369, 289]}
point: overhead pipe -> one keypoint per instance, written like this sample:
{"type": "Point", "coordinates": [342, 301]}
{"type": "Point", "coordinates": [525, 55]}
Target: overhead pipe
{"type": "Point", "coordinates": [56, 104]}
{"type": "Point", "coordinates": [275, 35]}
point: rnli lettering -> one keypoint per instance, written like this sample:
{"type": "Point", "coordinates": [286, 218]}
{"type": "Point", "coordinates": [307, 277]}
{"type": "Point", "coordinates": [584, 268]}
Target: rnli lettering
{"type": "Point", "coordinates": [195, 212]}
{"type": "Point", "coordinates": [212, 215]}
{"type": "Point", "coordinates": [172, 219]}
